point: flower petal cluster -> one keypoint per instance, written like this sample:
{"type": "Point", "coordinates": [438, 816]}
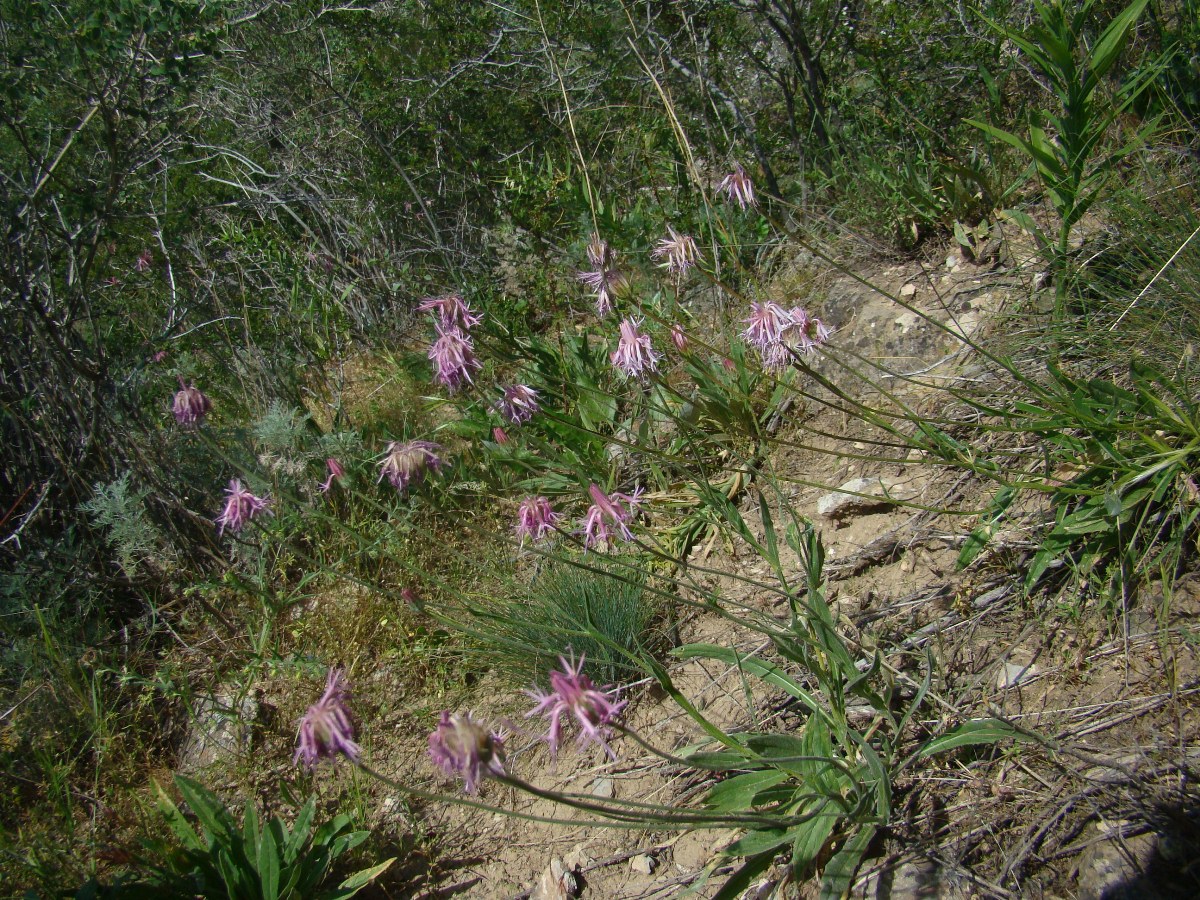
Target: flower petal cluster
{"type": "Point", "coordinates": [605, 279]}
{"type": "Point", "coordinates": [678, 251]}
{"type": "Point", "coordinates": [794, 330]}
{"type": "Point", "coordinates": [191, 405]}
{"type": "Point", "coordinates": [240, 507]}
{"type": "Point", "coordinates": [739, 187]}
{"type": "Point", "coordinates": [335, 471]}
{"type": "Point", "coordinates": [679, 337]}
{"type": "Point", "coordinates": [453, 356]}
{"type": "Point", "coordinates": [536, 519]}
{"type": "Point", "coordinates": [406, 462]}
{"type": "Point", "coordinates": [635, 355]}
{"type": "Point", "coordinates": [519, 404]}
{"type": "Point", "coordinates": [451, 311]}
{"type": "Point", "coordinates": [572, 695]}
{"type": "Point", "coordinates": [608, 517]}
{"type": "Point", "coordinates": [326, 729]}
{"type": "Point", "coordinates": [464, 748]}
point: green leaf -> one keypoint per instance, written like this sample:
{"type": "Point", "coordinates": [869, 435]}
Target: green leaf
{"type": "Point", "coordinates": [983, 532]}
{"type": "Point", "coordinates": [839, 872]}
{"type": "Point", "coordinates": [178, 824]}
{"type": "Point", "coordinates": [1108, 48]}
{"type": "Point", "coordinates": [976, 731]}
{"type": "Point", "coordinates": [268, 865]}
{"type": "Point", "coordinates": [811, 838]}
{"type": "Point", "coordinates": [737, 794]}
{"type": "Point", "coordinates": [755, 842]}
{"type": "Point", "coordinates": [295, 842]}
{"type": "Point", "coordinates": [740, 880]}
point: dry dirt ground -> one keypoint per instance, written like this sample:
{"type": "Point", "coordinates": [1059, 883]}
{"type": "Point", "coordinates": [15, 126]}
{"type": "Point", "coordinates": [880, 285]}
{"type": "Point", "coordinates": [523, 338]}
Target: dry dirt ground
{"type": "Point", "coordinates": [1104, 807]}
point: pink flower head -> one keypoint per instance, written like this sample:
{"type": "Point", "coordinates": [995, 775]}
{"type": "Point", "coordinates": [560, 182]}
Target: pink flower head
{"type": "Point", "coordinates": [452, 312]}
{"type": "Point", "coordinates": [678, 251]}
{"type": "Point", "coordinates": [572, 695]}
{"type": "Point", "coordinates": [454, 358]}
{"type": "Point", "coordinates": [405, 463]}
{"type": "Point", "coordinates": [679, 337]}
{"type": "Point", "coordinates": [519, 404]}
{"type": "Point", "coordinates": [335, 471]}
{"type": "Point", "coordinates": [326, 729]}
{"type": "Point", "coordinates": [635, 355]}
{"type": "Point", "coordinates": [500, 436]}
{"type": "Point", "coordinates": [240, 507]}
{"type": "Point", "coordinates": [144, 260]}
{"type": "Point", "coordinates": [803, 334]}
{"type": "Point", "coordinates": [462, 747]}
{"type": "Point", "coordinates": [766, 323]}
{"type": "Point", "coordinates": [738, 186]}
{"type": "Point", "coordinates": [609, 516]}
{"type": "Point", "coordinates": [159, 356]}
{"type": "Point", "coordinates": [606, 279]}
{"type": "Point", "coordinates": [536, 518]}
{"type": "Point", "coordinates": [190, 406]}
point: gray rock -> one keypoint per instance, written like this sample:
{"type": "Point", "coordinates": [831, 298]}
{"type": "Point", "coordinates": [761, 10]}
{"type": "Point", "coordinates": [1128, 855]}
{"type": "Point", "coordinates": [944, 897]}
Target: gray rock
{"type": "Point", "coordinates": [220, 730]}
{"type": "Point", "coordinates": [861, 495]}
{"type": "Point", "coordinates": [643, 863]}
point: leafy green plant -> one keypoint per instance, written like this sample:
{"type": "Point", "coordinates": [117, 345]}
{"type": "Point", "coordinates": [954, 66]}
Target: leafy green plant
{"type": "Point", "coordinates": [258, 860]}
{"type": "Point", "coordinates": [1065, 144]}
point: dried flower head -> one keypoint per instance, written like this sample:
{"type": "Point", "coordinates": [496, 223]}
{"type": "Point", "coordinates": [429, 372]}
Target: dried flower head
{"type": "Point", "coordinates": [519, 403]}
{"type": "Point", "coordinates": [573, 695]}
{"type": "Point", "coordinates": [326, 729]}
{"type": "Point", "coordinates": [454, 358]}
{"type": "Point", "coordinates": [802, 334]}
{"type": "Point", "coordinates": [605, 279]}
{"type": "Point", "coordinates": [738, 186]}
{"type": "Point", "coordinates": [451, 312]}
{"type": "Point", "coordinates": [464, 748]}
{"type": "Point", "coordinates": [536, 518]}
{"type": "Point", "coordinates": [635, 355]}
{"type": "Point", "coordinates": [609, 516]}
{"type": "Point", "coordinates": [240, 507]}
{"type": "Point", "coordinates": [335, 471]}
{"type": "Point", "coordinates": [406, 462]}
{"type": "Point", "coordinates": [678, 251]}
{"type": "Point", "coordinates": [190, 406]}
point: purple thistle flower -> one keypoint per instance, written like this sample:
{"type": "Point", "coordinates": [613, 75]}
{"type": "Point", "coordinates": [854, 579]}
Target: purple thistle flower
{"type": "Point", "coordinates": [462, 747]}
{"type": "Point", "coordinates": [678, 250]}
{"type": "Point", "coordinates": [738, 186]}
{"type": "Point", "coordinates": [635, 355]}
{"type": "Point", "coordinates": [190, 406]}
{"type": "Point", "coordinates": [144, 260]}
{"type": "Point", "coordinates": [606, 279]}
{"type": "Point", "coordinates": [607, 516]}
{"type": "Point", "coordinates": [679, 337]}
{"type": "Point", "coordinates": [335, 471]}
{"type": "Point", "coordinates": [451, 311]}
{"type": "Point", "coordinates": [240, 507]}
{"type": "Point", "coordinates": [326, 729]}
{"type": "Point", "coordinates": [535, 519]}
{"type": "Point", "coordinates": [519, 404]}
{"type": "Point", "coordinates": [405, 463]}
{"type": "Point", "coordinates": [573, 695]}
{"type": "Point", "coordinates": [766, 323]}
{"type": "Point", "coordinates": [454, 358]}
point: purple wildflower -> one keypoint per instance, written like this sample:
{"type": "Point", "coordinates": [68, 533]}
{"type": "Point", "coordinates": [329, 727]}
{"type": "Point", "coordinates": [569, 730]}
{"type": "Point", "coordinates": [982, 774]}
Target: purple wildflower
{"type": "Point", "coordinates": [803, 334]}
{"type": "Point", "coordinates": [452, 312]}
{"type": "Point", "coordinates": [572, 694]}
{"type": "Point", "coordinates": [635, 355]}
{"type": "Point", "coordinates": [609, 516]}
{"type": "Point", "coordinates": [679, 337]}
{"type": "Point", "coordinates": [405, 463]}
{"type": "Point", "coordinates": [462, 747]}
{"type": "Point", "coordinates": [500, 436]}
{"type": "Point", "coordinates": [144, 260]}
{"type": "Point", "coordinates": [535, 519]}
{"type": "Point", "coordinates": [519, 403]}
{"type": "Point", "coordinates": [766, 323]}
{"type": "Point", "coordinates": [454, 358]}
{"type": "Point", "coordinates": [739, 187]}
{"type": "Point", "coordinates": [240, 507]}
{"type": "Point", "coordinates": [606, 279]}
{"type": "Point", "coordinates": [678, 250]}
{"type": "Point", "coordinates": [190, 406]}
{"type": "Point", "coordinates": [335, 471]}
{"type": "Point", "coordinates": [326, 729]}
